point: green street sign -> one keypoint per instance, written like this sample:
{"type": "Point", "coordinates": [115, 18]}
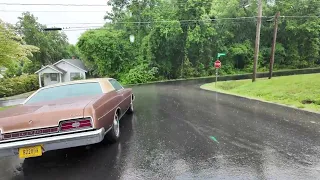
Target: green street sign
{"type": "Point", "coordinates": [221, 54]}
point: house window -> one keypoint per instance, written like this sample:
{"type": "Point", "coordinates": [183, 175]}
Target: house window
{"type": "Point", "coordinates": [75, 76]}
{"type": "Point", "coordinates": [53, 77]}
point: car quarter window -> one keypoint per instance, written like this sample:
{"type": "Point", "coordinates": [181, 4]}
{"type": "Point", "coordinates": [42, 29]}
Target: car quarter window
{"type": "Point", "coordinates": [116, 85]}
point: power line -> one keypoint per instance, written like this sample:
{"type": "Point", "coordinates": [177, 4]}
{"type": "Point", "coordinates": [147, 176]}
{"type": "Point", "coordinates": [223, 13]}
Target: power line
{"type": "Point", "coordinates": [236, 20]}
{"type": "Point", "coordinates": [181, 24]}
{"type": "Point", "coordinates": [162, 21]}
{"type": "Point", "coordinates": [75, 23]}
{"type": "Point", "coordinates": [182, 21]}
{"type": "Point", "coordinates": [92, 5]}
{"type": "Point", "coordinates": [299, 16]}
{"type": "Point", "coordinates": [59, 4]}
{"type": "Point", "coordinates": [41, 4]}
{"type": "Point", "coordinates": [80, 28]}
{"type": "Point", "coordinates": [9, 11]}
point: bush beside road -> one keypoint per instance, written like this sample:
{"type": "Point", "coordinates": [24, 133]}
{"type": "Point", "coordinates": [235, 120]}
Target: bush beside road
{"type": "Point", "coordinates": [18, 85]}
{"type": "Point", "coordinates": [301, 91]}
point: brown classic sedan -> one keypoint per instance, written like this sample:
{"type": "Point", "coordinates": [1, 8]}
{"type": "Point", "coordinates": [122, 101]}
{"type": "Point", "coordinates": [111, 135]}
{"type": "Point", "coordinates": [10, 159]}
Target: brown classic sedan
{"type": "Point", "coordinates": [65, 115]}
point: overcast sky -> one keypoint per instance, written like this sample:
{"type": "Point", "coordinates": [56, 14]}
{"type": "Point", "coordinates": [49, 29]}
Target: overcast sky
{"type": "Point", "coordinates": [58, 19]}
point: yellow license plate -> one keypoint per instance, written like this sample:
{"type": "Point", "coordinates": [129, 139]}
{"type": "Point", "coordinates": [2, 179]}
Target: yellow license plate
{"type": "Point", "coordinates": [28, 152]}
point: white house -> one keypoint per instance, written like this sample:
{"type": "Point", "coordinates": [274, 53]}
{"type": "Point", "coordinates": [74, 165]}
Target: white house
{"type": "Point", "coordinates": [62, 71]}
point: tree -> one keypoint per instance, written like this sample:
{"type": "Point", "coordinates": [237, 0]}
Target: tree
{"type": "Point", "coordinates": [108, 52]}
{"type": "Point", "coordinates": [53, 45]}
{"type": "Point", "coordinates": [12, 48]}
{"type": "Point", "coordinates": [178, 38]}
{"type": "Point", "coordinates": [73, 51]}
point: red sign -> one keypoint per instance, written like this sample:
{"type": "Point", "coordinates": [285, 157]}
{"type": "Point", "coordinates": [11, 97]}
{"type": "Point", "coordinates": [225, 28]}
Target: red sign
{"type": "Point", "coordinates": [217, 64]}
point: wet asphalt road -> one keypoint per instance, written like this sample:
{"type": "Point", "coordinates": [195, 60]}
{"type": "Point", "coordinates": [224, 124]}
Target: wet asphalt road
{"type": "Point", "coordinates": [182, 132]}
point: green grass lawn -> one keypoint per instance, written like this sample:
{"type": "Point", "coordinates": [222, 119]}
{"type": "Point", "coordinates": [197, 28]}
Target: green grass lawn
{"type": "Point", "coordinates": [19, 96]}
{"type": "Point", "coordinates": [301, 91]}
{"type": "Point", "coordinates": [6, 107]}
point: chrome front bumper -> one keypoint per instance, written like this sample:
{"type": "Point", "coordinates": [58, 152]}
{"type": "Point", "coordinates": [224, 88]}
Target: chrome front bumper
{"type": "Point", "coordinates": [54, 142]}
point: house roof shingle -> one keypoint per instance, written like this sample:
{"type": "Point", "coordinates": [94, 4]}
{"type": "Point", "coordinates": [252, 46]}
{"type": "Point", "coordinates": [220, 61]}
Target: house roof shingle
{"type": "Point", "coordinates": [76, 62]}
{"type": "Point", "coordinates": [56, 68]}
{"type": "Point", "coordinates": [51, 67]}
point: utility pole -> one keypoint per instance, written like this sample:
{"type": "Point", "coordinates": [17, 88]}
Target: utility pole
{"type": "Point", "coordinates": [257, 44]}
{"type": "Point", "coordinates": [273, 48]}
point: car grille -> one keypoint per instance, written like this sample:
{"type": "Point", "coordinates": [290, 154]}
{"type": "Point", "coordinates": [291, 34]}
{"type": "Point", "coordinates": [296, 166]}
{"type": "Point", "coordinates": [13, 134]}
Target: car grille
{"type": "Point", "coordinates": [30, 133]}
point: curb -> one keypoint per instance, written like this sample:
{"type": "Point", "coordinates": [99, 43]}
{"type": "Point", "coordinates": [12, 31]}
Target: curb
{"type": "Point", "coordinates": [264, 101]}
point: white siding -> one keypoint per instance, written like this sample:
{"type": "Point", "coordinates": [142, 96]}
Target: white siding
{"type": "Point", "coordinates": [69, 69]}
{"type": "Point", "coordinates": [46, 76]}
{"type": "Point", "coordinates": [47, 80]}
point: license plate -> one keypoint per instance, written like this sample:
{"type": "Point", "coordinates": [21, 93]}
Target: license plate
{"type": "Point", "coordinates": [28, 152]}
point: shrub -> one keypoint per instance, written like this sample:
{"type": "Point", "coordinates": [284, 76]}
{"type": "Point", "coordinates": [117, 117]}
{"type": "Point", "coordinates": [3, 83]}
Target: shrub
{"type": "Point", "coordinates": [139, 74]}
{"type": "Point", "coordinates": [18, 85]}
{"type": "Point", "coordinates": [77, 78]}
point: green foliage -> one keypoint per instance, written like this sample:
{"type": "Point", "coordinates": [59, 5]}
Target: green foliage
{"type": "Point", "coordinates": [18, 85]}
{"type": "Point", "coordinates": [77, 78]}
{"type": "Point", "coordinates": [140, 74]}
{"type": "Point", "coordinates": [108, 52]}
{"type": "Point", "coordinates": [187, 69]}
{"type": "Point", "coordinates": [30, 67]}
{"type": "Point", "coordinates": [181, 38]}
{"type": "Point", "coordinates": [53, 45]}
{"type": "Point", "coordinates": [5, 107]}
{"type": "Point", "coordinates": [73, 51]}
{"type": "Point", "coordinates": [12, 47]}
{"type": "Point", "coordinates": [14, 69]}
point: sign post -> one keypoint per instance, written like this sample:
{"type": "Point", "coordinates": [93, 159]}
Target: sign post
{"type": "Point", "coordinates": [216, 78]}
{"type": "Point", "coordinates": [217, 65]}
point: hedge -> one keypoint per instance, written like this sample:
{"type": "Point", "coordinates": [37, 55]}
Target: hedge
{"type": "Point", "coordinates": [18, 85]}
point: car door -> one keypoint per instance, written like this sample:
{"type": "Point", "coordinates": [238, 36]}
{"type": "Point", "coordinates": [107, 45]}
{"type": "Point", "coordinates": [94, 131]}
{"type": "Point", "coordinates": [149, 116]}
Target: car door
{"type": "Point", "coordinates": [121, 93]}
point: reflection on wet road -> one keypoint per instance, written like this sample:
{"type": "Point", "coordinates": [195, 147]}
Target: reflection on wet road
{"type": "Point", "coordinates": [182, 132]}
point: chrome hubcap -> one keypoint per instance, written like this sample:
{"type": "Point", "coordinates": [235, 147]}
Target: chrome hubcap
{"type": "Point", "coordinates": [116, 125]}
{"type": "Point", "coordinates": [131, 106]}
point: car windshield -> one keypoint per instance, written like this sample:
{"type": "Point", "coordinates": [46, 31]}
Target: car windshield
{"type": "Point", "coordinates": [66, 91]}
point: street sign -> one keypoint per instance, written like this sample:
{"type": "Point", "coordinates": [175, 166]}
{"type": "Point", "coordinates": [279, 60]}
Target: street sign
{"type": "Point", "coordinates": [217, 64]}
{"type": "Point", "coordinates": [221, 54]}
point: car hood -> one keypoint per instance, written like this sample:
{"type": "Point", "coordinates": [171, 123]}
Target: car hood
{"type": "Point", "coordinates": [45, 114]}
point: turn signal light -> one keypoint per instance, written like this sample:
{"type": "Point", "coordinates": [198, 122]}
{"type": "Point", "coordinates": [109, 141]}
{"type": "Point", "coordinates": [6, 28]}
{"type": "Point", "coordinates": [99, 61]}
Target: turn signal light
{"type": "Point", "coordinates": [75, 125]}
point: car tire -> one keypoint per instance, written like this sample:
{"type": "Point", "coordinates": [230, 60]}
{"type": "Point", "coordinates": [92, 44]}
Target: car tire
{"type": "Point", "coordinates": [114, 134]}
{"type": "Point", "coordinates": [130, 110]}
